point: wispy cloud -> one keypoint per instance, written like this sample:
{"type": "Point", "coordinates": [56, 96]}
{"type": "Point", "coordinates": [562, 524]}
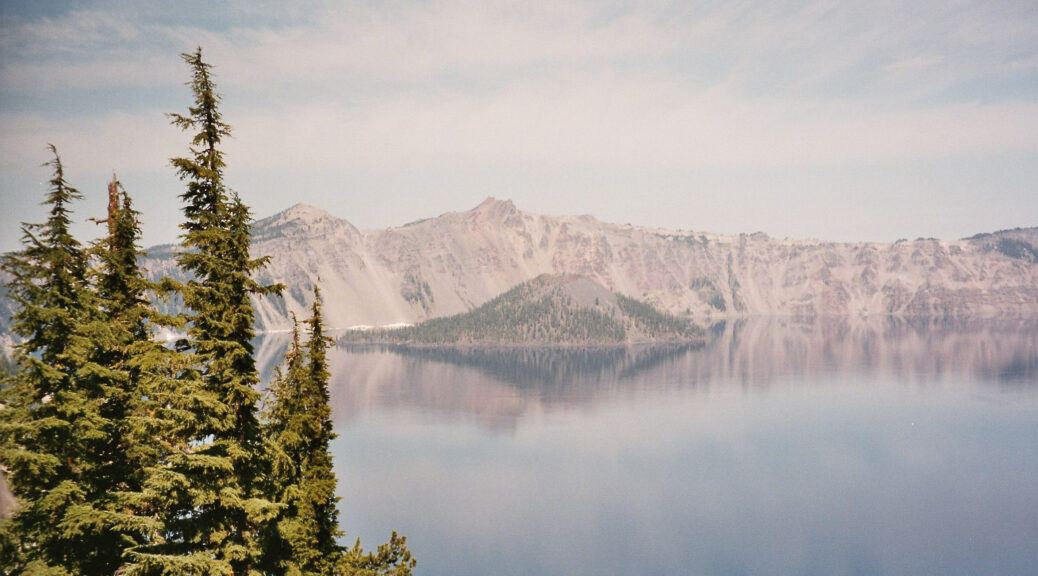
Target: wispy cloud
{"type": "Point", "coordinates": [331, 88]}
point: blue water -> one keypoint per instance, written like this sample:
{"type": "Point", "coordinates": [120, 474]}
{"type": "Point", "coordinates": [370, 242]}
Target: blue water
{"type": "Point", "coordinates": [778, 447]}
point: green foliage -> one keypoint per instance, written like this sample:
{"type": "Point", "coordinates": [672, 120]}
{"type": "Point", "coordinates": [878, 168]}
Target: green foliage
{"type": "Point", "coordinates": [299, 431]}
{"type": "Point", "coordinates": [717, 301]}
{"type": "Point", "coordinates": [542, 311]}
{"type": "Point", "coordinates": [207, 489]}
{"type": "Point", "coordinates": [7, 369]}
{"type": "Point", "coordinates": [145, 386]}
{"type": "Point", "coordinates": [133, 458]}
{"type": "Point", "coordinates": [521, 315]}
{"type": "Point", "coordinates": [122, 363]}
{"type": "Point", "coordinates": [48, 275]}
{"type": "Point", "coordinates": [708, 290]}
{"type": "Point", "coordinates": [655, 324]}
{"type": "Point", "coordinates": [1018, 249]}
{"type": "Point", "coordinates": [45, 414]}
{"type": "Point", "coordinates": [417, 291]}
{"type": "Point", "coordinates": [392, 559]}
{"type": "Point", "coordinates": [303, 539]}
{"type": "Point", "coordinates": [65, 409]}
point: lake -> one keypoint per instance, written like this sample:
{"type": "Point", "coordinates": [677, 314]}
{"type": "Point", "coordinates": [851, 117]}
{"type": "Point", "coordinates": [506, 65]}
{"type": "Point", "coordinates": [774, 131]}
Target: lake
{"type": "Point", "coordinates": [876, 446]}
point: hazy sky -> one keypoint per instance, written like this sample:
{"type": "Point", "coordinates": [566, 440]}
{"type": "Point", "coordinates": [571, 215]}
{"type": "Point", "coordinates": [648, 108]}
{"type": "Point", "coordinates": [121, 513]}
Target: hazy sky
{"type": "Point", "coordinates": [834, 120]}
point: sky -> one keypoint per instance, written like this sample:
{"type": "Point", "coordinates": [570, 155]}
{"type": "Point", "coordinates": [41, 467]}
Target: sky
{"type": "Point", "coordinates": [836, 120]}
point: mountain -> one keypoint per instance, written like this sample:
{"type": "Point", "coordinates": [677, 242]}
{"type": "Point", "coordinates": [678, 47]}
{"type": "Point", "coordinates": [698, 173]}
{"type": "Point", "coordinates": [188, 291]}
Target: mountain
{"type": "Point", "coordinates": [550, 309]}
{"type": "Point", "coordinates": [455, 262]}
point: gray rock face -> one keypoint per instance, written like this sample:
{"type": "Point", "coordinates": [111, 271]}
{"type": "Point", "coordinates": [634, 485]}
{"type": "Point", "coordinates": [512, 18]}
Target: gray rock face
{"type": "Point", "coordinates": [457, 261]}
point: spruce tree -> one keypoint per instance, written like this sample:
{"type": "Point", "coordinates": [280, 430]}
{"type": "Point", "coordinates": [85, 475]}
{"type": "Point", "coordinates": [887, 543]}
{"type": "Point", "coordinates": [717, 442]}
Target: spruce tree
{"type": "Point", "coordinates": [318, 476]}
{"type": "Point", "coordinates": [391, 559]}
{"type": "Point", "coordinates": [156, 406]}
{"type": "Point", "coordinates": [304, 539]}
{"type": "Point", "coordinates": [281, 428]}
{"type": "Point", "coordinates": [299, 428]}
{"type": "Point", "coordinates": [215, 508]}
{"type": "Point", "coordinates": [130, 370]}
{"type": "Point", "coordinates": [50, 422]}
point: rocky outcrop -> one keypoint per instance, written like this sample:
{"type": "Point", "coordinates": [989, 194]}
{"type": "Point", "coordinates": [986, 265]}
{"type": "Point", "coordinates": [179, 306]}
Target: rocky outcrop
{"type": "Point", "coordinates": [457, 261]}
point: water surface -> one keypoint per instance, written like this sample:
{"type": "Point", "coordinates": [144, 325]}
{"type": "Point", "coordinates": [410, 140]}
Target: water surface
{"type": "Point", "coordinates": [779, 447]}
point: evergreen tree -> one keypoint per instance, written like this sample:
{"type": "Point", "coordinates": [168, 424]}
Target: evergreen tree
{"type": "Point", "coordinates": [133, 458]}
{"type": "Point", "coordinates": [128, 369]}
{"type": "Point", "coordinates": [7, 367]}
{"type": "Point", "coordinates": [304, 539]}
{"type": "Point", "coordinates": [299, 428]}
{"type": "Point", "coordinates": [392, 559]}
{"type": "Point", "coordinates": [318, 476]}
{"type": "Point", "coordinates": [282, 412]}
{"type": "Point", "coordinates": [50, 422]}
{"type": "Point", "coordinates": [211, 492]}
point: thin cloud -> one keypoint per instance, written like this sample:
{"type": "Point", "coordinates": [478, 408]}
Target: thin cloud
{"type": "Point", "coordinates": [328, 89]}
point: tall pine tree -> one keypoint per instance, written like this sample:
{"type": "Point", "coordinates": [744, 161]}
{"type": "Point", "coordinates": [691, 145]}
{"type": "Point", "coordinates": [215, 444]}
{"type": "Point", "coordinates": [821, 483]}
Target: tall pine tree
{"type": "Point", "coordinates": [50, 423]}
{"type": "Point", "coordinates": [221, 516]}
{"type": "Point", "coordinates": [317, 474]}
{"type": "Point", "coordinates": [133, 458]}
{"type": "Point", "coordinates": [299, 425]}
{"type": "Point", "coordinates": [304, 539]}
{"type": "Point", "coordinates": [126, 367]}
{"type": "Point", "coordinates": [284, 442]}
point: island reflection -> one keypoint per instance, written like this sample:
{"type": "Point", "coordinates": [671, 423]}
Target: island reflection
{"type": "Point", "coordinates": [497, 385]}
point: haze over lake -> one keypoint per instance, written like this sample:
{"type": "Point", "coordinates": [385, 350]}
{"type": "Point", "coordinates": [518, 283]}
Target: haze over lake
{"type": "Point", "coordinates": [778, 447]}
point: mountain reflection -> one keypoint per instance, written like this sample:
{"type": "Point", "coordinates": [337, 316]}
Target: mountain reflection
{"type": "Point", "coordinates": [496, 386]}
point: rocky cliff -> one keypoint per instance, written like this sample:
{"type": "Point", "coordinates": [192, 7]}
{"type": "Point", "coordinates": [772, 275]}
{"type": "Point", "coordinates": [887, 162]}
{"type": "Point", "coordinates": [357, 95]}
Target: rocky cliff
{"type": "Point", "coordinates": [458, 261]}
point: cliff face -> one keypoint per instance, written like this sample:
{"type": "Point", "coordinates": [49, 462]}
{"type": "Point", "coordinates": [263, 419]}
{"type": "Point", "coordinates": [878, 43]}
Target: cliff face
{"type": "Point", "coordinates": [458, 261]}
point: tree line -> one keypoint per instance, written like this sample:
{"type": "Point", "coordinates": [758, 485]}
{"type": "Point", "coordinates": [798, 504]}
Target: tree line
{"type": "Point", "coordinates": [131, 456]}
{"type": "Point", "coordinates": [541, 311]}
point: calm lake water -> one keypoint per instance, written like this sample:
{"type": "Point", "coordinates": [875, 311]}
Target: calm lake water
{"type": "Point", "coordinates": [880, 447]}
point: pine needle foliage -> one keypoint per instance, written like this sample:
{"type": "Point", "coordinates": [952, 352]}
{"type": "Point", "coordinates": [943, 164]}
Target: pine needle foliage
{"type": "Point", "coordinates": [391, 559]}
{"type": "Point", "coordinates": [299, 431]}
{"type": "Point", "coordinates": [136, 375]}
{"type": "Point", "coordinates": [211, 492]}
{"type": "Point", "coordinates": [50, 423]}
{"type": "Point", "coordinates": [298, 418]}
{"type": "Point", "coordinates": [131, 457]}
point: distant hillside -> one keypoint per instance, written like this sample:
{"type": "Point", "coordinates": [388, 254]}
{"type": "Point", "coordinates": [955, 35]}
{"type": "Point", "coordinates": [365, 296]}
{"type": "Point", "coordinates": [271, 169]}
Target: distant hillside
{"type": "Point", "coordinates": [550, 309]}
{"type": "Point", "coordinates": [455, 262]}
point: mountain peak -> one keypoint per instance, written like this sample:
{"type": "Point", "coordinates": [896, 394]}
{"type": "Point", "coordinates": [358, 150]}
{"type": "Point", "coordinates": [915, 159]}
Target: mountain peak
{"type": "Point", "coordinates": [494, 208]}
{"type": "Point", "coordinates": [304, 212]}
{"type": "Point", "coordinates": [301, 220]}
